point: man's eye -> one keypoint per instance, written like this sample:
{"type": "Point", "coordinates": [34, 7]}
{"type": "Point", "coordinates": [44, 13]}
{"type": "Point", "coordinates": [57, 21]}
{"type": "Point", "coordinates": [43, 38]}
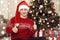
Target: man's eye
{"type": "Point", "coordinates": [25, 9]}
{"type": "Point", "coordinates": [21, 9]}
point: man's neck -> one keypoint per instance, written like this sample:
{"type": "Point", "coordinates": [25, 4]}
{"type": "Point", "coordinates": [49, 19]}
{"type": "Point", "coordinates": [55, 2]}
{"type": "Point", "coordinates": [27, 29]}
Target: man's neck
{"type": "Point", "coordinates": [24, 17]}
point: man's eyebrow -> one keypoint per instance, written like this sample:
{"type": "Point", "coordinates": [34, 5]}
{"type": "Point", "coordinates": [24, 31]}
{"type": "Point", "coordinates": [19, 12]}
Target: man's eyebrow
{"type": "Point", "coordinates": [21, 9]}
{"type": "Point", "coordinates": [25, 9]}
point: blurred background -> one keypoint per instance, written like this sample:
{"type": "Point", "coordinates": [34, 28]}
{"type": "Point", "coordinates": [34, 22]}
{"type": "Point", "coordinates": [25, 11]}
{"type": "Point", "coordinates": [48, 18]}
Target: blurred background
{"type": "Point", "coordinates": [8, 8]}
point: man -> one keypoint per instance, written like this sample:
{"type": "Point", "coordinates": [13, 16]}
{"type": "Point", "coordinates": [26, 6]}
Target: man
{"type": "Point", "coordinates": [20, 26]}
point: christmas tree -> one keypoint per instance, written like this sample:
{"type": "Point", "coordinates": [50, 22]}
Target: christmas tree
{"type": "Point", "coordinates": [43, 13]}
{"type": "Point", "coordinates": [45, 18]}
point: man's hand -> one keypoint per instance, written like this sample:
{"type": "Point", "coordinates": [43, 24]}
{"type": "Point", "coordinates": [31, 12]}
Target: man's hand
{"type": "Point", "coordinates": [15, 29]}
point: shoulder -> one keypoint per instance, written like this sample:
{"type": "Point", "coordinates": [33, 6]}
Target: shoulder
{"type": "Point", "coordinates": [12, 19]}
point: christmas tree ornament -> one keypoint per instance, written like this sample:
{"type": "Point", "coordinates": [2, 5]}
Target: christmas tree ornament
{"type": "Point", "coordinates": [50, 38]}
{"type": "Point", "coordinates": [58, 37]}
{"type": "Point", "coordinates": [52, 21]}
{"type": "Point", "coordinates": [41, 6]}
{"type": "Point", "coordinates": [43, 21]}
{"type": "Point", "coordinates": [34, 17]}
{"type": "Point", "coordinates": [40, 33]}
{"type": "Point", "coordinates": [52, 14]}
{"type": "Point", "coordinates": [33, 11]}
{"type": "Point", "coordinates": [37, 13]}
{"type": "Point", "coordinates": [59, 25]}
{"type": "Point", "coordinates": [43, 14]}
{"type": "Point", "coordinates": [33, 0]}
{"type": "Point", "coordinates": [49, 12]}
{"type": "Point", "coordinates": [43, 29]}
{"type": "Point", "coordinates": [51, 29]}
{"type": "Point", "coordinates": [39, 23]}
{"type": "Point", "coordinates": [35, 35]}
{"type": "Point", "coordinates": [55, 14]}
{"type": "Point", "coordinates": [46, 19]}
{"type": "Point", "coordinates": [45, 3]}
{"type": "Point", "coordinates": [55, 38]}
{"type": "Point", "coordinates": [47, 22]}
{"type": "Point", "coordinates": [48, 25]}
{"type": "Point", "coordinates": [31, 3]}
{"type": "Point", "coordinates": [35, 26]}
{"type": "Point", "coordinates": [40, 11]}
{"type": "Point", "coordinates": [40, 20]}
{"type": "Point", "coordinates": [30, 12]}
{"type": "Point", "coordinates": [33, 6]}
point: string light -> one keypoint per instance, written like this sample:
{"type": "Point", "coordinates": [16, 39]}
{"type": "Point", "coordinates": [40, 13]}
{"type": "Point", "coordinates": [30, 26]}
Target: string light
{"type": "Point", "coordinates": [41, 6]}
{"type": "Point", "coordinates": [1, 22]}
{"type": "Point", "coordinates": [33, 0]}
{"type": "Point", "coordinates": [1, 1]}
{"type": "Point", "coordinates": [3, 27]}
{"type": "Point", "coordinates": [2, 32]}
{"type": "Point", "coordinates": [5, 38]}
{"type": "Point", "coordinates": [50, 38]}
{"type": "Point", "coordinates": [52, 21]}
{"type": "Point", "coordinates": [15, 1]}
{"type": "Point", "coordinates": [46, 19]}
{"type": "Point", "coordinates": [47, 22]}
{"type": "Point", "coordinates": [6, 8]}
{"type": "Point", "coordinates": [55, 38]}
{"type": "Point", "coordinates": [43, 14]}
{"type": "Point", "coordinates": [0, 12]}
{"type": "Point", "coordinates": [48, 25]}
{"type": "Point", "coordinates": [58, 3]}
{"type": "Point", "coordinates": [58, 24]}
{"type": "Point", "coordinates": [8, 3]}
{"type": "Point", "coordinates": [3, 9]}
{"type": "Point", "coordinates": [43, 29]}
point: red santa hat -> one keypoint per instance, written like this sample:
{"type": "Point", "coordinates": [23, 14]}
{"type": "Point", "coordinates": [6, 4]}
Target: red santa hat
{"type": "Point", "coordinates": [22, 4]}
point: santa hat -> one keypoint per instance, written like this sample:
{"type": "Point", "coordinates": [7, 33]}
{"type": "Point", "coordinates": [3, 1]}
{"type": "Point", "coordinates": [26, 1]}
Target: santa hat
{"type": "Point", "coordinates": [22, 4]}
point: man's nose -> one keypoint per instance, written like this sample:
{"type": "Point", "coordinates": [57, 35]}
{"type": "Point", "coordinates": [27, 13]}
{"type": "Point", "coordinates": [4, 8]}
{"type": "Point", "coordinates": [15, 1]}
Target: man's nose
{"type": "Point", "coordinates": [23, 10]}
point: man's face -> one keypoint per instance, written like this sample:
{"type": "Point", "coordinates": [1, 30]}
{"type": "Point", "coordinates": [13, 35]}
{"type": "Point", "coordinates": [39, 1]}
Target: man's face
{"type": "Point", "coordinates": [23, 12]}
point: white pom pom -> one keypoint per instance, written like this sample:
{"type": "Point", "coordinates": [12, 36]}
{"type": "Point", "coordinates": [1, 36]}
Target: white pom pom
{"type": "Point", "coordinates": [17, 24]}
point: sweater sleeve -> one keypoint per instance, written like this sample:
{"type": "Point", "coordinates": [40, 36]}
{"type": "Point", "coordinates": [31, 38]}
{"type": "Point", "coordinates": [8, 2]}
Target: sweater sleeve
{"type": "Point", "coordinates": [9, 26]}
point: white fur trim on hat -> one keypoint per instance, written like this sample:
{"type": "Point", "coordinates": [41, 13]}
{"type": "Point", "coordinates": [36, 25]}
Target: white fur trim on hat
{"type": "Point", "coordinates": [23, 7]}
